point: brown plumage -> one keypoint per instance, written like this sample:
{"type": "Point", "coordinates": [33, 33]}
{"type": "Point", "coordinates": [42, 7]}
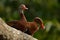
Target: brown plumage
{"type": "Point", "coordinates": [32, 27]}
{"type": "Point", "coordinates": [20, 24]}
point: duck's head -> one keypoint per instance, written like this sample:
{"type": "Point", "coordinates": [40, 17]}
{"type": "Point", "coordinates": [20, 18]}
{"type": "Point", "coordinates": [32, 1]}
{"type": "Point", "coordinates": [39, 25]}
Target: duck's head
{"type": "Point", "coordinates": [23, 7]}
{"type": "Point", "coordinates": [39, 20]}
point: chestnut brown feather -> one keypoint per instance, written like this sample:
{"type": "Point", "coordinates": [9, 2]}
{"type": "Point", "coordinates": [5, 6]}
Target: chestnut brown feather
{"type": "Point", "coordinates": [22, 24]}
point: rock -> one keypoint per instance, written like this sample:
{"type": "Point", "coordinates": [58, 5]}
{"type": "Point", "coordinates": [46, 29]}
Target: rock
{"type": "Point", "coordinates": [9, 33]}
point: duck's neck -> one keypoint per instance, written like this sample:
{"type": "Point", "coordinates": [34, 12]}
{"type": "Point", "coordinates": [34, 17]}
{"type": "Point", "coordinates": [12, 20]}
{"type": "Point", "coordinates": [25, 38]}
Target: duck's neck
{"type": "Point", "coordinates": [21, 12]}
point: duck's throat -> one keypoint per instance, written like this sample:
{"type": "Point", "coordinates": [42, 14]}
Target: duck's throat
{"type": "Point", "coordinates": [21, 12]}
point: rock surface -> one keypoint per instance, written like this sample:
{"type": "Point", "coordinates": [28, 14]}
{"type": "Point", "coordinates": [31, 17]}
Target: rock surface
{"type": "Point", "coordinates": [9, 33]}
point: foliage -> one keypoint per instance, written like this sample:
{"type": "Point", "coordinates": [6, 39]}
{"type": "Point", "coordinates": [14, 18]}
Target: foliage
{"type": "Point", "coordinates": [48, 10]}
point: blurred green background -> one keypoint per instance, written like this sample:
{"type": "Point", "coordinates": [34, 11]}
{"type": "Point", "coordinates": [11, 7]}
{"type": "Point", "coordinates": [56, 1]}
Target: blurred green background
{"type": "Point", "coordinates": [48, 10]}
